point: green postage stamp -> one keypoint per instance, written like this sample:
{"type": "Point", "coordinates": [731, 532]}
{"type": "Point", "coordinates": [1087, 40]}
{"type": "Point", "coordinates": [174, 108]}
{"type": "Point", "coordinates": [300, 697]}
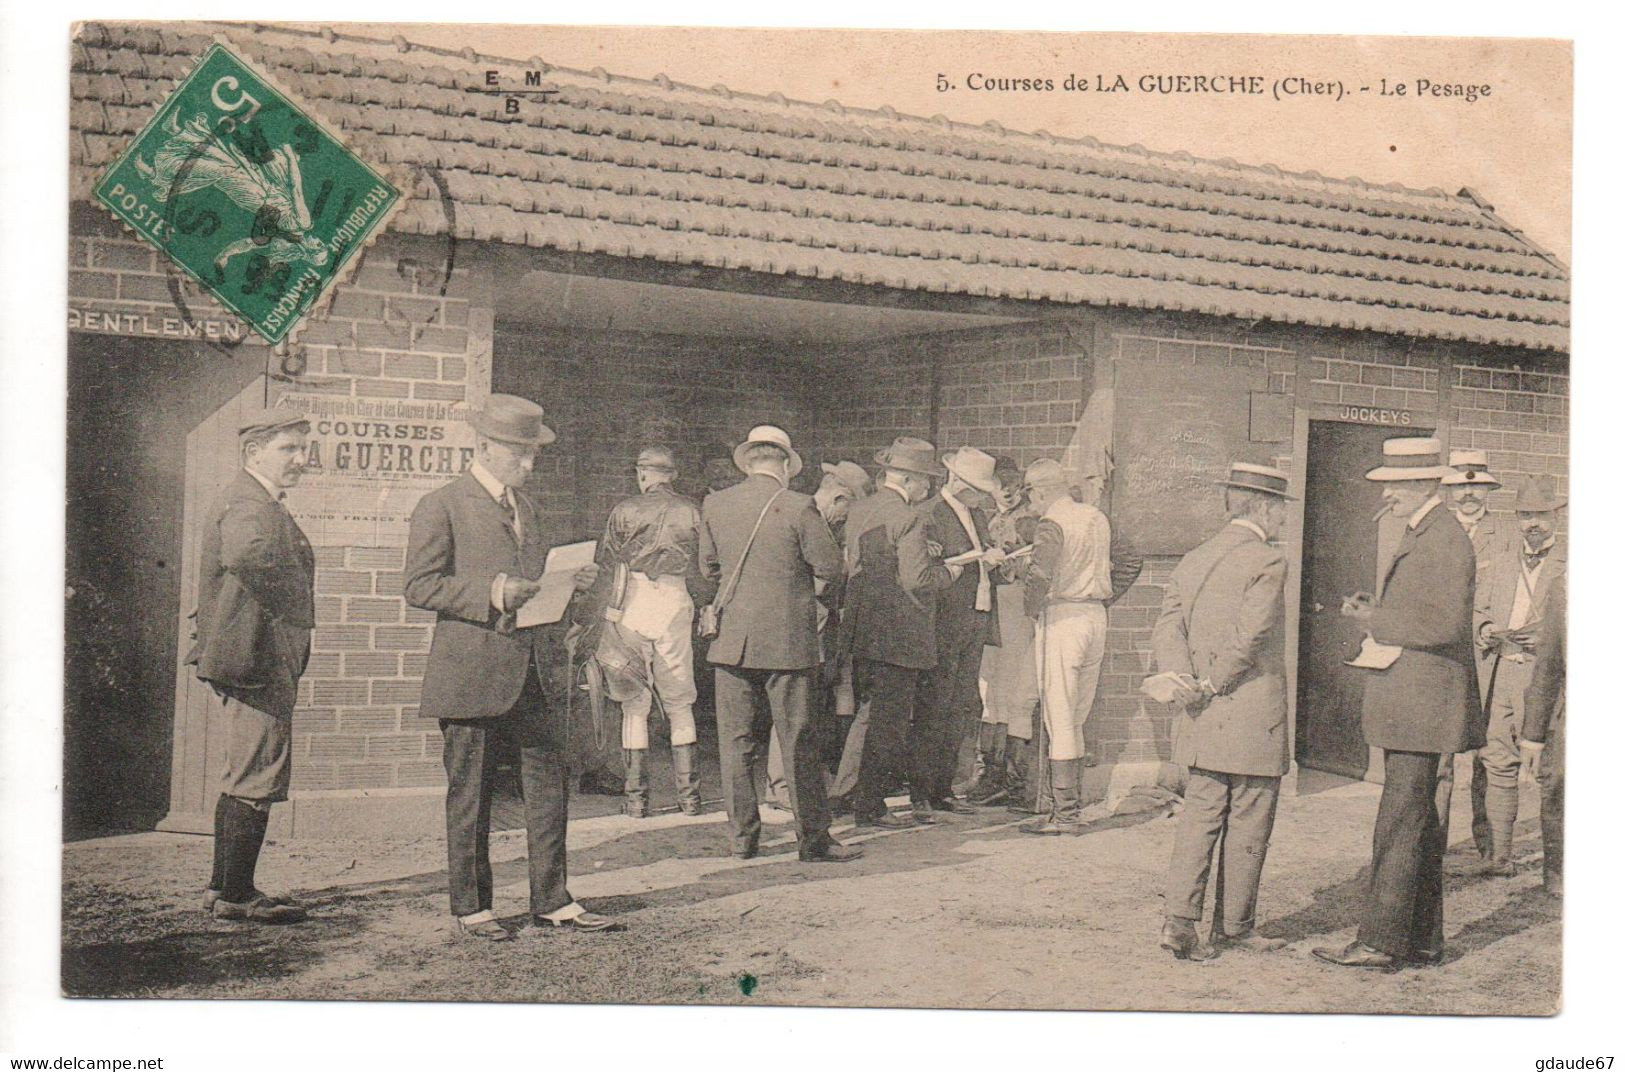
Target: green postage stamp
{"type": "Point", "coordinates": [248, 193]}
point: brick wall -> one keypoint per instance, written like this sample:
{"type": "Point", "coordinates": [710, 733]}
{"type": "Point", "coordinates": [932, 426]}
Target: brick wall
{"type": "Point", "coordinates": [608, 394]}
{"type": "Point", "coordinates": [1519, 414]}
{"type": "Point", "coordinates": [394, 333]}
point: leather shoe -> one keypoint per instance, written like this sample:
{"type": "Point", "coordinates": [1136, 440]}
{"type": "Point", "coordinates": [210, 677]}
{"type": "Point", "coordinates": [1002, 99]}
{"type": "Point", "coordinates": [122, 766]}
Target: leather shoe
{"type": "Point", "coordinates": [1179, 937]}
{"type": "Point", "coordinates": [259, 910]}
{"type": "Point", "coordinates": [211, 896]}
{"type": "Point", "coordinates": [953, 806]}
{"type": "Point", "coordinates": [1426, 958]}
{"type": "Point", "coordinates": [831, 852]}
{"type": "Point", "coordinates": [1252, 942]}
{"type": "Point", "coordinates": [1358, 955]}
{"type": "Point", "coordinates": [488, 930]}
{"type": "Point", "coordinates": [591, 922]}
{"type": "Point", "coordinates": [746, 854]}
{"type": "Point", "coordinates": [887, 821]}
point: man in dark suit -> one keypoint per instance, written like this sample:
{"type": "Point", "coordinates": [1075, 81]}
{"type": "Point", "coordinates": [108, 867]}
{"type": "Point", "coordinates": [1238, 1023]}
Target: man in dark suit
{"type": "Point", "coordinates": [1223, 625]}
{"type": "Point", "coordinates": [889, 626]}
{"type": "Point", "coordinates": [967, 620]}
{"type": "Point", "coordinates": [1544, 730]}
{"type": "Point", "coordinates": [765, 544]}
{"type": "Point", "coordinates": [475, 546]}
{"type": "Point", "coordinates": [255, 610]}
{"type": "Point", "coordinates": [1420, 705]}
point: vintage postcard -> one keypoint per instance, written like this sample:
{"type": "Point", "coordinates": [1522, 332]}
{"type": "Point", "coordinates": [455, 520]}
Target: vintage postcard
{"type": "Point", "coordinates": [1079, 520]}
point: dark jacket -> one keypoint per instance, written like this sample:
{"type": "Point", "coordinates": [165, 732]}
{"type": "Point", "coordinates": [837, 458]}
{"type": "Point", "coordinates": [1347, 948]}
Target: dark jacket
{"type": "Point", "coordinates": [957, 617]}
{"type": "Point", "coordinates": [892, 581]}
{"type": "Point", "coordinates": [1427, 701]}
{"type": "Point", "coordinates": [1224, 619]}
{"type": "Point", "coordinates": [256, 605]}
{"type": "Point", "coordinates": [771, 619]}
{"type": "Point", "coordinates": [459, 541]}
{"type": "Point", "coordinates": [1543, 700]}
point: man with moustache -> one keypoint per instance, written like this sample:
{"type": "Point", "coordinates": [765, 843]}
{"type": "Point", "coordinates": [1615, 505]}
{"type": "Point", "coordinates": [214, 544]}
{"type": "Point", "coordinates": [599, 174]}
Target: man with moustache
{"type": "Point", "coordinates": [474, 550]}
{"type": "Point", "coordinates": [1508, 626]}
{"type": "Point", "coordinates": [890, 628]}
{"type": "Point", "coordinates": [1421, 703]}
{"type": "Point", "coordinates": [1468, 487]}
{"type": "Point", "coordinates": [255, 610]}
{"type": "Point", "coordinates": [966, 622]}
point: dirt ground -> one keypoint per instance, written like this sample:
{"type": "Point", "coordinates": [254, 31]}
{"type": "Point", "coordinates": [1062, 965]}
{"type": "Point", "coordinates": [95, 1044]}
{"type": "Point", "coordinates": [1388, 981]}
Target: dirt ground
{"type": "Point", "coordinates": [970, 913]}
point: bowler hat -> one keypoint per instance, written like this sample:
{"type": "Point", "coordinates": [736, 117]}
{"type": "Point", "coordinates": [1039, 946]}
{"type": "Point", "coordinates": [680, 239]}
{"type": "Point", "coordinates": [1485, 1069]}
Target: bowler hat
{"type": "Point", "coordinates": [850, 475]}
{"type": "Point", "coordinates": [911, 455]}
{"type": "Point", "coordinates": [974, 467]}
{"type": "Point", "coordinates": [773, 436]}
{"type": "Point", "coordinates": [1538, 495]}
{"type": "Point", "coordinates": [1262, 478]}
{"type": "Point", "coordinates": [511, 419]}
{"type": "Point", "coordinates": [1410, 458]}
{"type": "Point", "coordinates": [271, 420]}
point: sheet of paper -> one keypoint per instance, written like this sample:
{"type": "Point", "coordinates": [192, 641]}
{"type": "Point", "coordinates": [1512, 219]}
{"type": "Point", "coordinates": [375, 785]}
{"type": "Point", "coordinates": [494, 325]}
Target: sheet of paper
{"type": "Point", "coordinates": [558, 584]}
{"type": "Point", "coordinates": [1374, 656]}
{"type": "Point", "coordinates": [967, 557]}
{"type": "Point", "coordinates": [1162, 687]}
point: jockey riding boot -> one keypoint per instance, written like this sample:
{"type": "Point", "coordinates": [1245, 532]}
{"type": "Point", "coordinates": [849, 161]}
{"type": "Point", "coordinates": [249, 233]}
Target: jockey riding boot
{"type": "Point", "coordinates": [685, 762]}
{"type": "Point", "coordinates": [1501, 805]}
{"type": "Point", "coordinates": [1018, 757]}
{"type": "Point", "coordinates": [637, 782]}
{"type": "Point", "coordinates": [990, 781]}
{"type": "Point", "coordinates": [1064, 817]}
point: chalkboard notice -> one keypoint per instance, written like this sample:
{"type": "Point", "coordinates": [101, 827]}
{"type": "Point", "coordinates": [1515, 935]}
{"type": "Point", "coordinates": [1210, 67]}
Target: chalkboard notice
{"type": "Point", "coordinates": [1177, 428]}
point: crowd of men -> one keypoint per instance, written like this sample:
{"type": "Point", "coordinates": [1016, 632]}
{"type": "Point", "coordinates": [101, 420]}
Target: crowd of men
{"type": "Point", "coordinates": [942, 621]}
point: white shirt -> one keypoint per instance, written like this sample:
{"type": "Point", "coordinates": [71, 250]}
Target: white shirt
{"type": "Point", "coordinates": [1523, 599]}
{"type": "Point", "coordinates": [984, 585]}
{"type": "Point", "coordinates": [1246, 524]}
{"type": "Point", "coordinates": [1422, 511]}
{"type": "Point", "coordinates": [501, 493]}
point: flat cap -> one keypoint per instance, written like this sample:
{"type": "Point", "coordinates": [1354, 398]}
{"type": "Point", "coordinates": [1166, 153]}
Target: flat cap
{"type": "Point", "coordinates": [271, 420]}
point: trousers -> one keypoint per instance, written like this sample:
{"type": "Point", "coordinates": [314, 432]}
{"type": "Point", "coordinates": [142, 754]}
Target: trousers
{"type": "Point", "coordinates": [786, 698]}
{"type": "Point", "coordinates": [952, 709]}
{"type": "Point", "coordinates": [1068, 648]}
{"type": "Point", "coordinates": [1229, 816]}
{"type": "Point", "coordinates": [472, 750]}
{"type": "Point", "coordinates": [1404, 911]}
{"type": "Point", "coordinates": [1009, 677]}
{"type": "Point", "coordinates": [888, 696]}
{"type": "Point", "coordinates": [659, 620]}
{"type": "Point", "coordinates": [1551, 799]}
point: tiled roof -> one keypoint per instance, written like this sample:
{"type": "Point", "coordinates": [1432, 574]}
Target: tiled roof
{"type": "Point", "coordinates": [709, 177]}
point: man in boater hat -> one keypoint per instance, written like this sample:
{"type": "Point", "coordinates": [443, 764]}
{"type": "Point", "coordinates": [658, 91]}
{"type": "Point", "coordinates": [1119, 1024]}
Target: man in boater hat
{"type": "Point", "coordinates": [765, 546]}
{"type": "Point", "coordinates": [1223, 624]}
{"type": "Point", "coordinates": [966, 621]}
{"type": "Point", "coordinates": [475, 549]}
{"type": "Point", "coordinates": [1421, 701]}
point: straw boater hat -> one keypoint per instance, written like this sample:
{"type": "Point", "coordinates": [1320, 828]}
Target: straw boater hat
{"type": "Point", "coordinates": [1538, 495]}
{"type": "Point", "coordinates": [911, 456]}
{"type": "Point", "coordinates": [1261, 478]}
{"type": "Point", "coordinates": [1470, 468]}
{"type": "Point", "coordinates": [1410, 458]}
{"type": "Point", "coordinates": [767, 433]}
{"type": "Point", "coordinates": [974, 467]}
{"type": "Point", "coordinates": [850, 475]}
{"type": "Point", "coordinates": [511, 419]}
